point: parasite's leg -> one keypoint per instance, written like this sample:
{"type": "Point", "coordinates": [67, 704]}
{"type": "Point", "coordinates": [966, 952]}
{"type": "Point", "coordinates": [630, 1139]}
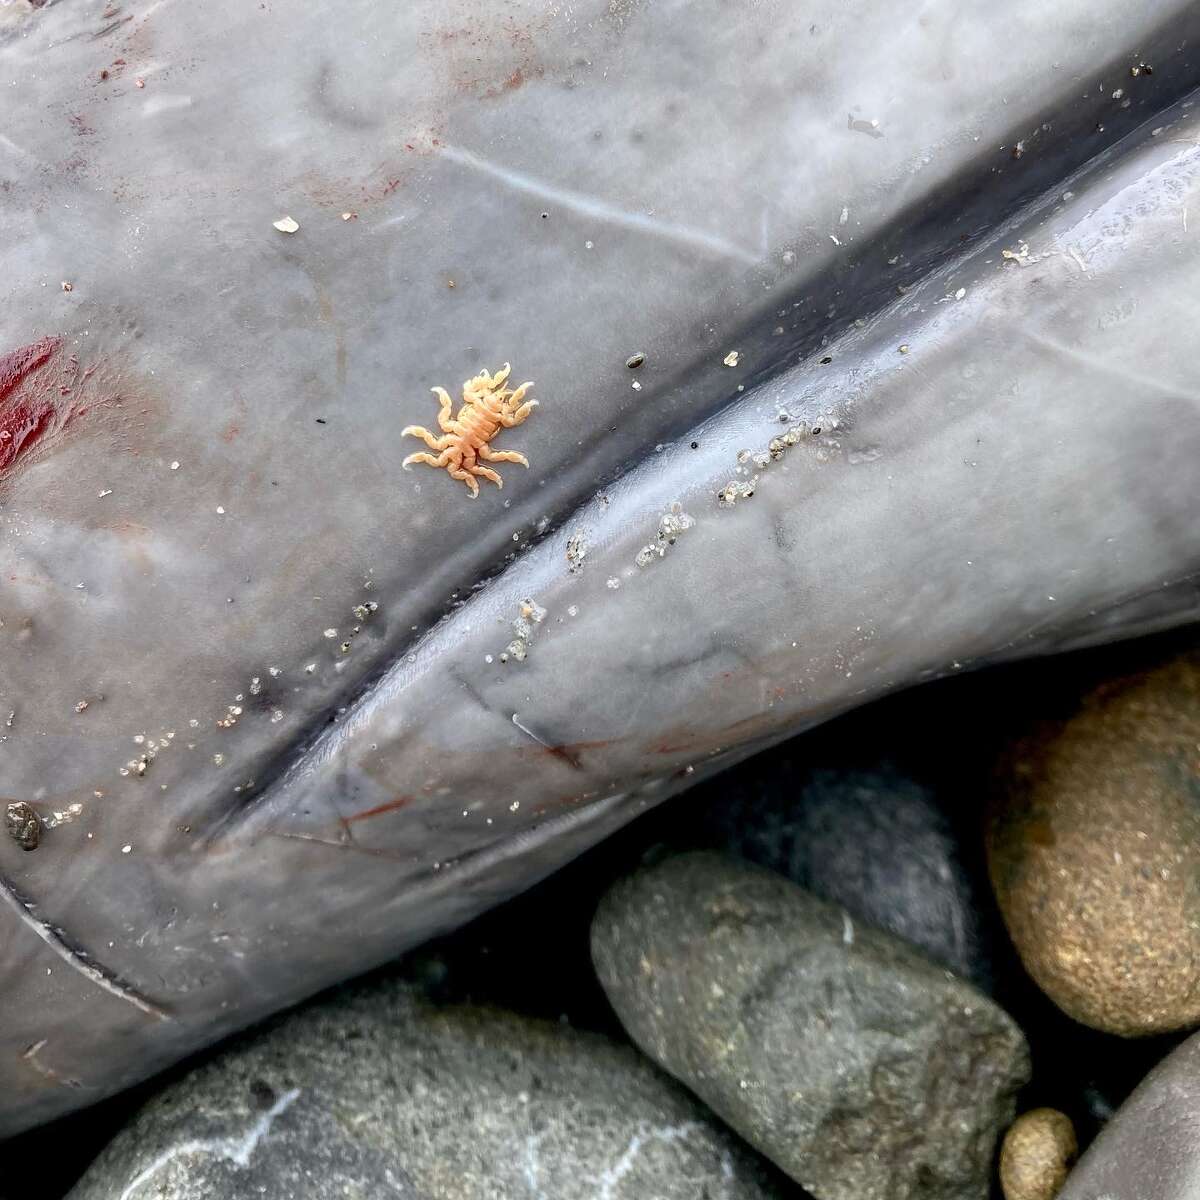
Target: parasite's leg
{"type": "Point", "coordinates": [508, 420]}
{"type": "Point", "coordinates": [458, 473]}
{"type": "Point", "coordinates": [425, 436]}
{"type": "Point", "coordinates": [447, 407]}
{"type": "Point", "coordinates": [486, 452]}
{"type": "Point", "coordinates": [487, 473]}
{"type": "Point", "coordinates": [423, 456]}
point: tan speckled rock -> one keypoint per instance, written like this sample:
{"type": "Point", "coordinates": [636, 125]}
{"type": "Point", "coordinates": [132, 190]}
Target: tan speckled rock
{"type": "Point", "coordinates": [1037, 1154]}
{"type": "Point", "coordinates": [1094, 853]}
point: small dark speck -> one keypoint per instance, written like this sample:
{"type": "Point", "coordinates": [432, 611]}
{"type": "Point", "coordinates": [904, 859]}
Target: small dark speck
{"type": "Point", "coordinates": [321, 421]}
{"type": "Point", "coordinates": [545, 216]}
{"type": "Point", "coordinates": [695, 445]}
{"type": "Point", "coordinates": [263, 1094]}
{"type": "Point", "coordinates": [827, 360]}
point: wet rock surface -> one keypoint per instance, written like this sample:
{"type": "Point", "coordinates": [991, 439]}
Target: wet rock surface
{"type": "Point", "coordinates": [858, 1066]}
{"type": "Point", "coordinates": [375, 1093]}
{"type": "Point", "coordinates": [1151, 1148]}
{"type": "Point", "coordinates": [1094, 852]}
{"type": "Point", "coordinates": [1038, 1151]}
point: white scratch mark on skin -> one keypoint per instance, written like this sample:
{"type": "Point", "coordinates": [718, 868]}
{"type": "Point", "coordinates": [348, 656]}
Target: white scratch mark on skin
{"type": "Point", "coordinates": [600, 211]}
{"type": "Point", "coordinates": [526, 729]}
{"type": "Point", "coordinates": [165, 103]}
{"type": "Point", "coordinates": [235, 1150]}
{"type": "Point", "coordinates": [1107, 368]}
{"type": "Point", "coordinates": [74, 959]}
{"type": "Point", "coordinates": [152, 9]}
{"type": "Point", "coordinates": [12, 146]}
{"type": "Point", "coordinates": [847, 930]}
{"type": "Point", "coordinates": [31, 1057]}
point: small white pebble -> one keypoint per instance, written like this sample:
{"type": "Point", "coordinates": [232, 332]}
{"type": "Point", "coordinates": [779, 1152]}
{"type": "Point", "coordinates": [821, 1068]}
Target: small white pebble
{"type": "Point", "coordinates": [106, 492]}
{"type": "Point", "coordinates": [731, 359]}
{"type": "Point", "coordinates": [126, 848]}
{"type": "Point", "coordinates": [220, 510]}
{"type": "Point", "coordinates": [175, 465]}
{"type": "Point", "coordinates": [286, 225]}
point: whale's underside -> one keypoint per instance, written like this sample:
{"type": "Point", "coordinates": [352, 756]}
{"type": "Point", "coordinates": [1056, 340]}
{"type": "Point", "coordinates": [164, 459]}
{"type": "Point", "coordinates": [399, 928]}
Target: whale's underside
{"type": "Point", "coordinates": [917, 292]}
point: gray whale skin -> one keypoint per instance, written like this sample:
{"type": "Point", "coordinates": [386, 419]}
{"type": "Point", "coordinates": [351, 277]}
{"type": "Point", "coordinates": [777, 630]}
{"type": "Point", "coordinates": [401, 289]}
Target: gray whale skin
{"type": "Point", "coordinates": [253, 676]}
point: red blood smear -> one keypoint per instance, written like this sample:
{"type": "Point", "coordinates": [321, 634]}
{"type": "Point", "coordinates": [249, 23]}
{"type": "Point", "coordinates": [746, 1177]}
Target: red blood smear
{"type": "Point", "coordinates": [23, 419]}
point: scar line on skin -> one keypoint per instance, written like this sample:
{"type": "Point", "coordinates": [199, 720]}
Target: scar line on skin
{"type": "Point", "coordinates": [74, 959]}
{"type": "Point", "coordinates": [600, 211]}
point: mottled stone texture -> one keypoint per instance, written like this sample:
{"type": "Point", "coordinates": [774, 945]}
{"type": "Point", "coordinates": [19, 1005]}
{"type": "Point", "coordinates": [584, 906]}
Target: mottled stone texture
{"type": "Point", "coordinates": [376, 1094]}
{"type": "Point", "coordinates": [1038, 1151]}
{"type": "Point", "coordinates": [861, 1068]}
{"type": "Point", "coordinates": [1094, 852]}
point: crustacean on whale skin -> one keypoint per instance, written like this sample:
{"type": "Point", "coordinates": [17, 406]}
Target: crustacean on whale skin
{"type": "Point", "coordinates": [487, 407]}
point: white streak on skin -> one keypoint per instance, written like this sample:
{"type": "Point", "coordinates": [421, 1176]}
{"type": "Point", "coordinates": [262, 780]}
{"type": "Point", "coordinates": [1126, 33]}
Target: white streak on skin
{"type": "Point", "coordinates": [167, 103]}
{"type": "Point", "coordinates": [152, 9]}
{"type": "Point", "coordinates": [600, 211]}
{"type": "Point", "coordinates": [12, 146]}
{"type": "Point", "coordinates": [526, 729]}
{"type": "Point", "coordinates": [1145, 383]}
{"type": "Point", "coordinates": [235, 1150]}
{"type": "Point", "coordinates": [72, 958]}
{"type": "Point", "coordinates": [847, 929]}
{"type": "Point", "coordinates": [31, 1057]}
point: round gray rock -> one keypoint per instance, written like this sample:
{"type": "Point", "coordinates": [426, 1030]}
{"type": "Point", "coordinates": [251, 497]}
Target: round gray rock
{"type": "Point", "coordinates": [378, 1094]}
{"type": "Point", "coordinates": [862, 1069]}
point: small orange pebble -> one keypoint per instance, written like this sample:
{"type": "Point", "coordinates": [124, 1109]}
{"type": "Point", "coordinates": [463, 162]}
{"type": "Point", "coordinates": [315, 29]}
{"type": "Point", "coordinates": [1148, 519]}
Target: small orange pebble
{"type": "Point", "coordinates": [487, 407]}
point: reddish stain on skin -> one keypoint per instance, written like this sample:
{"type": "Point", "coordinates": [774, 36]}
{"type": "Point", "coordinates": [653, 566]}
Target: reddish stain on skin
{"type": "Point", "coordinates": [27, 405]}
{"type": "Point", "coordinates": [41, 394]}
{"type": "Point", "coordinates": [380, 809]}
